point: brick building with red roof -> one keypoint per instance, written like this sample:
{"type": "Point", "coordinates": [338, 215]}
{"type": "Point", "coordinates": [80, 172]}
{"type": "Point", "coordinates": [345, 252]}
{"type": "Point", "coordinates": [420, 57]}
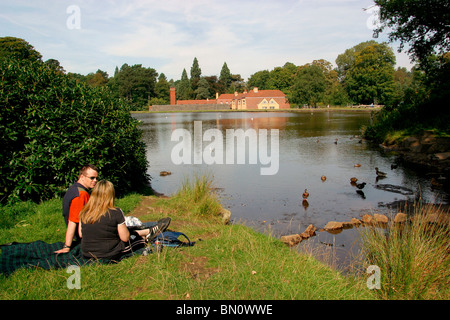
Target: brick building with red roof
{"type": "Point", "coordinates": [255, 99]}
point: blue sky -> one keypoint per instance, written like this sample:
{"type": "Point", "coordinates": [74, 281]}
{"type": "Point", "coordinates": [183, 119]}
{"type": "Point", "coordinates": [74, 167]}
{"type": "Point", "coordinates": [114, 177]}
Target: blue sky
{"type": "Point", "coordinates": [249, 35]}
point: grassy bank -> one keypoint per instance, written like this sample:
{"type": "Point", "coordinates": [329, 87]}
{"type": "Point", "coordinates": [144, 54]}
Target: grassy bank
{"type": "Point", "coordinates": [227, 262]}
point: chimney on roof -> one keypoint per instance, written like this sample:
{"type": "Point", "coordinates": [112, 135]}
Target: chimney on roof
{"type": "Point", "coordinates": [217, 95]}
{"type": "Point", "coordinates": [235, 93]}
{"type": "Point", "coordinates": [255, 89]}
{"type": "Point", "coordinates": [173, 100]}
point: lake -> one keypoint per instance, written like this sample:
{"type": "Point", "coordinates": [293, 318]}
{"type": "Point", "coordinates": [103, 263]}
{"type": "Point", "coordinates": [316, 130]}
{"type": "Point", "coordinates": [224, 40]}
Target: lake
{"type": "Point", "coordinates": [310, 145]}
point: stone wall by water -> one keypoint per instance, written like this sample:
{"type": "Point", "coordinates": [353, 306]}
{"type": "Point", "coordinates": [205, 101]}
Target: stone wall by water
{"type": "Point", "coordinates": [190, 107]}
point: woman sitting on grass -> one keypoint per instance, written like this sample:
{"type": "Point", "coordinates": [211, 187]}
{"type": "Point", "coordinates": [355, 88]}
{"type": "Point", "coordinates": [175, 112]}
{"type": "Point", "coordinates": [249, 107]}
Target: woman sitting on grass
{"type": "Point", "coordinates": [103, 229]}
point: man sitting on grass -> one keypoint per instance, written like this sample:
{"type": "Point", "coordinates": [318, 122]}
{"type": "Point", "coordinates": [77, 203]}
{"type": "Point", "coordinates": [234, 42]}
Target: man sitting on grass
{"type": "Point", "coordinates": [74, 200]}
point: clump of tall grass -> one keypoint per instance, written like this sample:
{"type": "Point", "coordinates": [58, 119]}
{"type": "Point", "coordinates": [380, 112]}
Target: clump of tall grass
{"type": "Point", "coordinates": [197, 196]}
{"type": "Point", "coordinates": [413, 256]}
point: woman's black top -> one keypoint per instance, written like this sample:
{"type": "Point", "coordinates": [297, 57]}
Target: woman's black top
{"type": "Point", "coordinates": [101, 239]}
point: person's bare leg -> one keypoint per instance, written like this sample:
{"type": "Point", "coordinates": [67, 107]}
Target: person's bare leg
{"type": "Point", "coordinates": [143, 232]}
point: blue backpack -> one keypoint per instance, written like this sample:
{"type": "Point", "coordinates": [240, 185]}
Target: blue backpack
{"type": "Point", "coordinates": [171, 239]}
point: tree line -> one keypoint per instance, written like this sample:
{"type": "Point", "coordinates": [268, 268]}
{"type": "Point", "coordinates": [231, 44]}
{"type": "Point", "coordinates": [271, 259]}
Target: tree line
{"type": "Point", "coordinates": [142, 86]}
{"type": "Point", "coordinates": [364, 74]}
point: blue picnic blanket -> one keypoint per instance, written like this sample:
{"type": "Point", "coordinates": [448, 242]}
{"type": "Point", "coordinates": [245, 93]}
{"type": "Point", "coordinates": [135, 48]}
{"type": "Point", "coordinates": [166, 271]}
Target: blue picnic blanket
{"type": "Point", "coordinates": [41, 254]}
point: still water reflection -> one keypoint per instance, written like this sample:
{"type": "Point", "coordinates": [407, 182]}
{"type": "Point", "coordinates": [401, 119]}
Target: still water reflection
{"type": "Point", "coordinates": [311, 145]}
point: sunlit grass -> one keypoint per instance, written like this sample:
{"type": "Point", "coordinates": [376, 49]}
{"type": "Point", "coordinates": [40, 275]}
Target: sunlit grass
{"type": "Point", "coordinates": [228, 261]}
{"type": "Point", "coordinates": [196, 196]}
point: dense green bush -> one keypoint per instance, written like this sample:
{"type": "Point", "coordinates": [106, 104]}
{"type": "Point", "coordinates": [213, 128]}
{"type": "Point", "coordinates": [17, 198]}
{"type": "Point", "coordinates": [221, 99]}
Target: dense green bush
{"type": "Point", "coordinates": [410, 118]}
{"type": "Point", "coordinates": [50, 126]}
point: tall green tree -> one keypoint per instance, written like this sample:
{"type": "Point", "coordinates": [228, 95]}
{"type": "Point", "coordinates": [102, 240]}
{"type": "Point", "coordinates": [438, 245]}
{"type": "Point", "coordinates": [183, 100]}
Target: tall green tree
{"type": "Point", "coordinates": [214, 86]}
{"type": "Point", "coordinates": [196, 74]}
{"type": "Point", "coordinates": [97, 79]}
{"type": "Point", "coordinates": [435, 78]}
{"type": "Point", "coordinates": [259, 79]}
{"type": "Point", "coordinates": [425, 27]}
{"type": "Point", "coordinates": [336, 95]}
{"type": "Point", "coordinates": [162, 88]}
{"type": "Point", "coordinates": [371, 77]}
{"type": "Point", "coordinates": [11, 47]}
{"type": "Point", "coordinates": [334, 92]}
{"type": "Point", "coordinates": [55, 65]}
{"type": "Point", "coordinates": [309, 86]}
{"type": "Point", "coordinates": [183, 87]}
{"type": "Point", "coordinates": [202, 91]}
{"type": "Point", "coordinates": [422, 25]}
{"type": "Point", "coordinates": [346, 60]}
{"type": "Point", "coordinates": [282, 78]}
{"type": "Point", "coordinates": [402, 81]}
{"type": "Point", "coordinates": [237, 84]}
{"type": "Point", "coordinates": [136, 84]}
{"type": "Point", "coordinates": [225, 77]}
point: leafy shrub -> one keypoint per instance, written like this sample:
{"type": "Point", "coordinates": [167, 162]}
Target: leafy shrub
{"type": "Point", "coordinates": [413, 119]}
{"type": "Point", "coordinates": [50, 126]}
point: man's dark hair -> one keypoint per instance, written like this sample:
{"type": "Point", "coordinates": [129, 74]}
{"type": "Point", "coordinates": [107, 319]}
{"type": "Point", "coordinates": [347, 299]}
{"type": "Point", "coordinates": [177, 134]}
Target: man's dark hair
{"type": "Point", "coordinates": [87, 166]}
